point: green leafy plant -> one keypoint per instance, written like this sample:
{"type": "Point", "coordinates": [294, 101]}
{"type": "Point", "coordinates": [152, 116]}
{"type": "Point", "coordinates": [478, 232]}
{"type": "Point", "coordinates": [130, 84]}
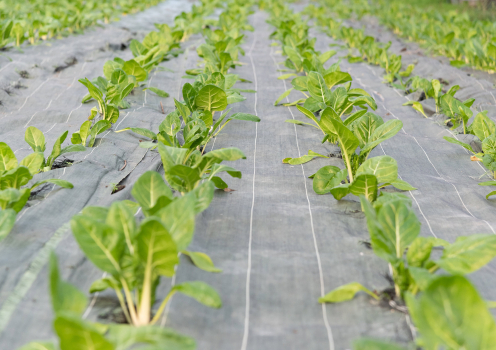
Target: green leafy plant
{"type": "Point", "coordinates": [184, 170]}
{"type": "Point", "coordinates": [14, 178]}
{"type": "Point", "coordinates": [394, 236]}
{"type": "Point", "coordinates": [137, 256]}
{"type": "Point", "coordinates": [110, 94]}
{"type": "Point", "coordinates": [485, 130]}
{"type": "Point", "coordinates": [73, 332]}
{"type": "Point", "coordinates": [460, 315]}
{"type": "Point", "coordinates": [208, 95]}
{"type": "Point", "coordinates": [35, 138]}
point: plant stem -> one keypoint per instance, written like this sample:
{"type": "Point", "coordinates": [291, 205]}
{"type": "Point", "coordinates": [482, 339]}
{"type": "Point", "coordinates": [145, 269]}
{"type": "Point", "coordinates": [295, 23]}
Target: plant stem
{"type": "Point", "coordinates": [162, 307]}
{"type": "Point", "coordinates": [123, 305]}
{"type": "Point", "coordinates": [130, 303]}
{"type": "Point", "coordinates": [144, 308]}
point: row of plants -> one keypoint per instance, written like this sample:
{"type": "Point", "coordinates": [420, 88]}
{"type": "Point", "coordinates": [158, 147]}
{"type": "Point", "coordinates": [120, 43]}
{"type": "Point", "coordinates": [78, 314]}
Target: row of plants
{"type": "Point", "coordinates": [339, 112]}
{"type": "Point", "coordinates": [465, 41]}
{"type": "Point", "coordinates": [120, 78]}
{"type": "Point", "coordinates": [137, 251]}
{"type": "Point", "coordinates": [447, 310]}
{"type": "Point", "coordinates": [37, 20]}
{"type": "Point", "coordinates": [457, 113]}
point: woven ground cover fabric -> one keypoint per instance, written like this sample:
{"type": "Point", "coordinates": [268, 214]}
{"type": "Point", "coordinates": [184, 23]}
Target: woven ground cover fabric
{"type": "Point", "coordinates": [280, 245]}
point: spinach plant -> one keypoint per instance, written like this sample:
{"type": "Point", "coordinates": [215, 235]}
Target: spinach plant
{"type": "Point", "coordinates": [137, 256]}
{"type": "Point", "coordinates": [35, 138]}
{"type": "Point", "coordinates": [461, 316]}
{"type": "Point", "coordinates": [74, 332]}
{"type": "Point", "coordinates": [110, 93]}
{"type": "Point", "coordinates": [394, 235]}
{"type": "Point", "coordinates": [485, 130]}
{"type": "Point", "coordinates": [14, 188]}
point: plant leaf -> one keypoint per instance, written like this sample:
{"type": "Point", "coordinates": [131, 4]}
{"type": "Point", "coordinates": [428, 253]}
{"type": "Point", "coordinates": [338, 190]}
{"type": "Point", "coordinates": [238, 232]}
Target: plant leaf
{"type": "Point", "coordinates": [201, 292]}
{"type": "Point", "coordinates": [65, 296]}
{"type": "Point", "coordinates": [211, 98]}
{"type": "Point", "coordinates": [202, 261]}
{"type": "Point", "coordinates": [345, 293]}
{"type": "Point", "coordinates": [451, 314]}
{"type": "Point", "coordinates": [468, 254]}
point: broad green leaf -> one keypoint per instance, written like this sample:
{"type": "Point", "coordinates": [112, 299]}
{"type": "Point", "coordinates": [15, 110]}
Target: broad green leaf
{"type": "Point", "coordinates": [483, 127]}
{"type": "Point", "coordinates": [345, 293]}
{"type": "Point", "coordinates": [468, 254]}
{"type": "Point", "coordinates": [101, 244]}
{"type": "Point", "coordinates": [179, 220]}
{"type": "Point", "coordinates": [347, 141]}
{"type": "Point", "coordinates": [217, 168]}
{"type": "Point", "coordinates": [171, 124]}
{"type": "Point", "coordinates": [211, 98]}
{"type": "Point", "coordinates": [183, 110]}
{"type": "Point", "coordinates": [35, 138]}
{"type": "Point", "coordinates": [189, 175]}
{"type": "Point", "coordinates": [121, 218]}
{"type": "Point", "coordinates": [402, 185]}
{"type": "Point", "coordinates": [99, 127]}
{"type": "Point", "coordinates": [65, 296]}
{"type": "Point", "coordinates": [111, 114]}
{"type": "Point", "coordinates": [149, 188]}
{"type": "Point", "coordinates": [299, 83]}
{"type": "Point", "coordinates": [324, 57]}
{"type": "Point", "coordinates": [451, 314]}
{"type": "Point", "coordinates": [229, 154]}
{"type": "Point", "coordinates": [58, 182]}
{"type": "Point", "coordinates": [84, 131]}
{"type": "Point", "coordinates": [38, 346]}
{"type": "Point", "coordinates": [103, 284]}
{"type": "Point", "coordinates": [340, 191]}
{"type": "Point", "coordinates": [489, 145]}
{"type": "Point", "coordinates": [382, 133]}
{"type": "Point", "coordinates": [245, 116]}
{"type": "Point", "coordinates": [143, 132]}
{"type": "Point", "coordinates": [202, 261]}
{"type": "Point", "coordinates": [317, 87]}
{"type": "Point", "coordinates": [336, 78]}
{"type": "Point", "coordinates": [203, 195]}
{"type": "Point", "coordinates": [283, 96]}
{"type": "Point", "coordinates": [456, 142]}
{"type": "Point", "coordinates": [201, 292]}
{"type": "Point", "coordinates": [76, 334]}
{"type": "Point", "coordinates": [421, 276]}
{"type": "Point", "coordinates": [303, 159]}
{"type": "Point", "coordinates": [57, 149]}
{"type": "Point", "coordinates": [366, 185]}
{"type": "Point", "coordinates": [416, 106]}
{"type": "Point", "coordinates": [373, 344]}
{"type": "Point", "coordinates": [15, 178]}
{"type": "Point", "coordinates": [308, 114]}
{"type": "Point", "coordinates": [72, 148]}
{"type": "Point", "coordinates": [419, 251]}
{"type": "Point", "coordinates": [156, 248]}
{"type": "Point", "coordinates": [7, 221]}
{"type": "Point", "coordinates": [364, 127]}
{"type": "Point", "coordinates": [160, 93]}
{"type": "Point", "coordinates": [132, 67]}
{"type": "Point", "coordinates": [189, 95]}
{"type": "Point", "coordinates": [327, 177]}
{"type": "Point", "coordinates": [286, 76]}
{"type": "Point", "coordinates": [8, 160]}
{"type": "Point", "coordinates": [125, 336]}
{"type": "Point", "coordinates": [400, 226]}
{"type": "Point", "coordinates": [384, 168]}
